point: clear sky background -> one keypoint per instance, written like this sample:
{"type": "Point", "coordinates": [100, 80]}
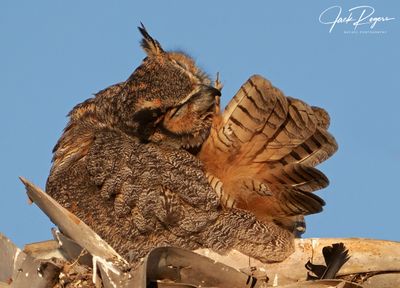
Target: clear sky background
{"type": "Point", "coordinates": [55, 54]}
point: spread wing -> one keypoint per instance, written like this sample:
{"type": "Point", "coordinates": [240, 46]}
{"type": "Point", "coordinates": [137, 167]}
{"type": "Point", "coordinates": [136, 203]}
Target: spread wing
{"type": "Point", "coordinates": [263, 149]}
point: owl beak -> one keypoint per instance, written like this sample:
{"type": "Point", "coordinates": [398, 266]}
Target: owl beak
{"type": "Point", "coordinates": [210, 94]}
{"type": "Point", "coordinates": [216, 94]}
{"type": "Point", "coordinates": [213, 91]}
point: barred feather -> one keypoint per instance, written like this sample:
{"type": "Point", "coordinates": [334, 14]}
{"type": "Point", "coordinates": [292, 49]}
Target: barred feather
{"type": "Point", "coordinates": [263, 149]}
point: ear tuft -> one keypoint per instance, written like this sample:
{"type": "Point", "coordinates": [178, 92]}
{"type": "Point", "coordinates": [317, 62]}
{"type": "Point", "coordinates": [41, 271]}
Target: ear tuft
{"type": "Point", "coordinates": [149, 45]}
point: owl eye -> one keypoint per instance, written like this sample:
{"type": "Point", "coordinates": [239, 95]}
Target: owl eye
{"type": "Point", "coordinates": [176, 111]}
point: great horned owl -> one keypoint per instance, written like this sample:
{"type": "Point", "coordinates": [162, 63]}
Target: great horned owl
{"type": "Point", "coordinates": [125, 165]}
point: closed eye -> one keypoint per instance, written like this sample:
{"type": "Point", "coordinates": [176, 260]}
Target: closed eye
{"type": "Point", "coordinates": [176, 111]}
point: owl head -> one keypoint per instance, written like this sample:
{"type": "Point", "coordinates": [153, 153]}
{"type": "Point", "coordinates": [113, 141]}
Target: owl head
{"type": "Point", "coordinates": [167, 98]}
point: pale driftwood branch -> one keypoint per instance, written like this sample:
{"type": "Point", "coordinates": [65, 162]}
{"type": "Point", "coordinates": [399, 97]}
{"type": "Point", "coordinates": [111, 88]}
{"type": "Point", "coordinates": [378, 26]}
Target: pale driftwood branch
{"type": "Point", "coordinates": [367, 257]}
{"type": "Point", "coordinates": [373, 263]}
{"type": "Point", "coordinates": [71, 225]}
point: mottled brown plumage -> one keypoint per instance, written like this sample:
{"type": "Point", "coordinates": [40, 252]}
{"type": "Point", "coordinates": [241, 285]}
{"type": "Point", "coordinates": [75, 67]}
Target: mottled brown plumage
{"type": "Point", "coordinates": [122, 165]}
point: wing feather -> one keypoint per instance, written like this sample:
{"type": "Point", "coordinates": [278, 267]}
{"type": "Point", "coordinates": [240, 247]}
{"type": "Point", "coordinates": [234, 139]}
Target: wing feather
{"type": "Point", "coordinates": [263, 149]}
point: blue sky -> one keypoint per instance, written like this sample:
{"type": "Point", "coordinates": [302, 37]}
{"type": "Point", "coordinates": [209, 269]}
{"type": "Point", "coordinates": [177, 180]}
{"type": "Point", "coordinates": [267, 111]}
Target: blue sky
{"type": "Point", "coordinates": [55, 54]}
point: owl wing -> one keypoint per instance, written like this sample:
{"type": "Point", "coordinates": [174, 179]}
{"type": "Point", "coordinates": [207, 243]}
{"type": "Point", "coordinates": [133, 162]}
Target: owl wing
{"type": "Point", "coordinates": [138, 196]}
{"type": "Point", "coordinates": [263, 149]}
